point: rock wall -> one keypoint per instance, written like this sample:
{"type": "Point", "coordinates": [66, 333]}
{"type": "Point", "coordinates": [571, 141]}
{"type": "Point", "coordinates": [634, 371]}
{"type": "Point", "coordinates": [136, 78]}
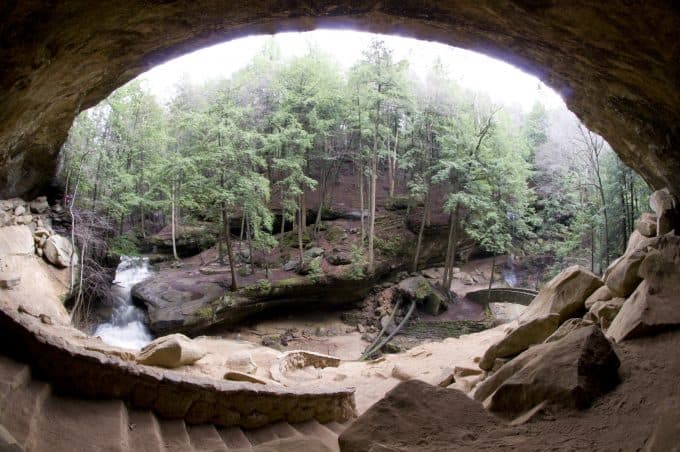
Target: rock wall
{"type": "Point", "coordinates": [616, 63]}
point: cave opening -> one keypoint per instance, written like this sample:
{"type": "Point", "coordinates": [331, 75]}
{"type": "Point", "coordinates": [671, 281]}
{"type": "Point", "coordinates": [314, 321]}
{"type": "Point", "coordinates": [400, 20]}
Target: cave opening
{"type": "Point", "coordinates": [603, 215]}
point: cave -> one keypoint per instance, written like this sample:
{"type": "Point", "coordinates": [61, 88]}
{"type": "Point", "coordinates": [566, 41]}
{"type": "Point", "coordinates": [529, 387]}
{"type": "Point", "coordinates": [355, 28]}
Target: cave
{"type": "Point", "coordinates": [616, 65]}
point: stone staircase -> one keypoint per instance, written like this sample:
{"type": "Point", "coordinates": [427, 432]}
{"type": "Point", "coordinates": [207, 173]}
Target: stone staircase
{"type": "Point", "coordinates": [34, 417]}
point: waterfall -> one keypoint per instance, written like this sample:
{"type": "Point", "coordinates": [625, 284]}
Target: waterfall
{"type": "Point", "coordinates": [127, 326]}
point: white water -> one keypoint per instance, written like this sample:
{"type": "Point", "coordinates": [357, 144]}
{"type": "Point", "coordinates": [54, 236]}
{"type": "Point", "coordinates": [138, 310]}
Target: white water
{"type": "Point", "coordinates": [127, 327]}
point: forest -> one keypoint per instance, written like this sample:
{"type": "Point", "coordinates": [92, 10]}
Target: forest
{"type": "Point", "coordinates": [248, 153]}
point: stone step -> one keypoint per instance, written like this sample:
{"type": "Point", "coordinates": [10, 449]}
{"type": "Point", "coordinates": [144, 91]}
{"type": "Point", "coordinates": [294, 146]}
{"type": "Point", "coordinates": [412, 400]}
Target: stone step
{"type": "Point", "coordinates": [22, 408]}
{"type": "Point", "coordinates": [283, 430]}
{"type": "Point", "coordinates": [260, 435]}
{"type": "Point", "coordinates": [205, 438]}
{"type": "Point", "coordinates": [175, 436]}
{"type": "Point", "coordinates": [144, 432]}
{"type": "Point", "coordinates": [317, 430]}
{"type": "Point", "coordinates": [66, 424]}
{"type": "Point", "coordinates": [234, 438]}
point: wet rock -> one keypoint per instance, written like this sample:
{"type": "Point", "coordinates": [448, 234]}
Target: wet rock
{"type": "Point", "coordinates": [171, 351]}
{"type": "Point", "coordinates": [564, 295]}
{"type": "Point", "coordinates": [571, 372]}
{"type": "Point", "coordinates": [58, 250]}
{"type": "Point", "coordinates": [655, 304]}
{"type": "Point", "coordinates": [520, 338]}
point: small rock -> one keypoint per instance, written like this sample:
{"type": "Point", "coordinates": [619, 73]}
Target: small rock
{"type": "Point", "coordinates": [391, 348]}
{"type": "Point", "coordinates": [400, 373]}
{"type": "Point", "coordinates": [39, 204]}
{"type": "Point", "coordinates": [19, 210]}
{"type": "Point", "coordinates": [171, 351]}
{"type": "Point", "coordinates": [46, 319]}
{"type": "Point", "coordinates": [233, 375]}
{"type": "Point", "coordinates": [646, 225]}
{"type": "Point", "coordinates": [361, 328]}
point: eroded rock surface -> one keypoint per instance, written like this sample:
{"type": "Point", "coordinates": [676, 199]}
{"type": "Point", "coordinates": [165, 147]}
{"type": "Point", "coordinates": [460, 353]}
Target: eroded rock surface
{"type": "Point", "coordinates": [171, 351]}
{"type": "Point", "coordinates": [571, 372]}
{"type": "Point", "coordinates": [615, 65]}
{"type": "Point", "coordinates": [655, 304]}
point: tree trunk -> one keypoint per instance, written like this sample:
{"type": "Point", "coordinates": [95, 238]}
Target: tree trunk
{"type": "Point", "coordinates": [230, 253]}
{"type": "Point", "coordinates": [300, 232]}
{"type": "Point", "coordinates": [421, 232]}
{"type": "Point", "coordinates": [172, 221]}
{"type": "Point", "coordinates": [493, 267]}
{"type": "Point", "coordinates": [371, 226]}
{"type": "Point", "coordinates": [362, 206]}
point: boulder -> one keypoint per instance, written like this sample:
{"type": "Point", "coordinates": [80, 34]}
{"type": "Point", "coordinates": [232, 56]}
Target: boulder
{"type": "Point", "coordinates": [622, 275]}
{"type": "Point", "coordinates": [601, 294]}
{"type": "Point", "coordinates": [171, 351]}
{"type": "Point", "coordinates": [520, 338]}
{"type": "Point", "coordinates": [572, 372]}
{"type": "Point", "coordinates": [663, 204]}
{"type": "Point", "coordinates": [58, 250]}
{"type": "Point", "coordinates": [604, 312]}
{"type": "Point", "coordinates": [291, 265]}
{"type": "Point", "coordinates": [39, 204]}
{"type": "Point", "coordinates": [564, 295]}
{"type": "Point", "coordinates": [339, 258]}
{"type": "Point", "coordinates": [655, 304]}
{"type": "Point", "coordinates": [419, 289]}
{"type": "Point", "coordinates": [567, 327]}
{"type": "Point", "coordinates": [416, 416]}
{"type": "Point", "coordinates": [313, 252]}
{"type": "Point", "coordinates": [646, 225]}
{"type": "Point", "coordinates": [16, 240]}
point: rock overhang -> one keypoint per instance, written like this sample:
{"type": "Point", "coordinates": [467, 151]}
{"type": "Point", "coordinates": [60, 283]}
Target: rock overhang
{"type": "Point", "coordinates": [617, 65]}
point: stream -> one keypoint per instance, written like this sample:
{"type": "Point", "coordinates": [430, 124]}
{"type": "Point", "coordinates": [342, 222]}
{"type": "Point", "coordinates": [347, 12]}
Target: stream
{"type": "Point", "coordinates": [127, 326]}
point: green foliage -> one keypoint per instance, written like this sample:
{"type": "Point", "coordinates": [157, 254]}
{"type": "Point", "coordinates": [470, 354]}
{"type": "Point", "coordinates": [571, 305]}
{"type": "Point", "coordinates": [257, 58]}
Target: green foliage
{"type": "Point", "coordinates": [315, 273]}
{"type": "Point", "coordinates": [357, 269]}
{"type": "Point", "coordinates": [123, 245]}
{"type": "Point", "coordinates": [261, 288]}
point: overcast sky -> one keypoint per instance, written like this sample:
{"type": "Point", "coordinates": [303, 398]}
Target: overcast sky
{"type": "Point", "coordinates": [503, 82]}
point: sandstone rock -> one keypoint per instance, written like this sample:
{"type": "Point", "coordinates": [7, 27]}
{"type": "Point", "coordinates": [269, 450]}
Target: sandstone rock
{"type": "Point", "coordinates": [604, 312]}
{"type": "Point", "coordinates": [571, 372]}
{"type": "Point", "coordinates": [39, 204]}
{"type": "Point", "coordinates": [663, 203]}
{"type": "Point", "coordinates": [564, 295]}
{"type": "Point", "coordinates": [567, 327]}
{"type": "Point", "coordinates": [400, 373]}
{"type": "Point", "coordinates": [646, 225]}
{"type": "Point", "coordinates": [171, 351]}
{"type": "Point", "coordinates": [313, 252]}
{"type": "Point", "coordinates": [19, 210]}
{"type": "Point", "coordinates": [519, 339]}
{"type": "Point", "coordinates": [58, 250]}
{"type": "Point", "coordinates": [291, 265]}
{"type": "Point", "coordinates": [419, 417]}
{"type": "Point", "coordinates": [5, 219]}
{"type": "Point", "coordinates": [655, 304]}
{"type": "Point", "coordinates": [622, 275]}
{"type": "Point", "coordinates": [9, 280]}
{"type": "Point", "coordinates": [601, 294]}
{"type": "Point", "coordinates": [233, 375]}
{"type": "Point", "coordinates": [667, 431]}
{"type": "Point", "coordinates": [16, 240]}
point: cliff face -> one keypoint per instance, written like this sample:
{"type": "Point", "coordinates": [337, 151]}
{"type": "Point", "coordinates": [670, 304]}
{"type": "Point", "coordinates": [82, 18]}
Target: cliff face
{"type": "Point", "coordinates": [616, 63]}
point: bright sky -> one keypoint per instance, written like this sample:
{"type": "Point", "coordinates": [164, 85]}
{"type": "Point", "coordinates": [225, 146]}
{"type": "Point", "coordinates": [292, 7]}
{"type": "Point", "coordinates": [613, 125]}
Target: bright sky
{"type": "Point", "coordinates": [504, 83]}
